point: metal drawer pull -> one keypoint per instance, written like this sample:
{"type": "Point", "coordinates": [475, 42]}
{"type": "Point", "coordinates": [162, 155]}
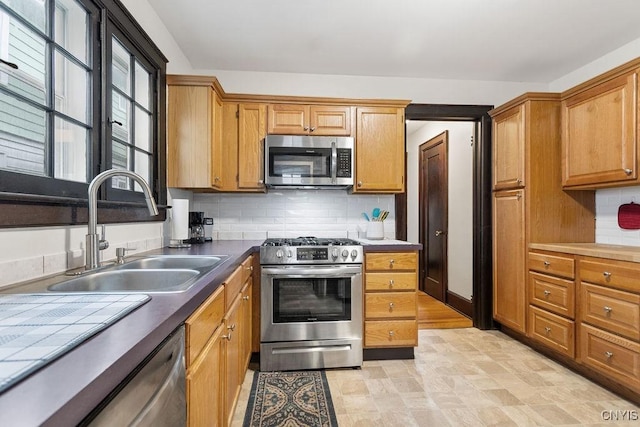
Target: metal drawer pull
{"type": "Point", "coordinates": [232, 327]}
{"type": "Point", "coordinates": [628, 171]}
{"type": "Point", "coordinates": [607, 309]}
{"type": "Point", "coordinates": [391, 261]}
{"type": "Point", "coordinates": [608, 354]}
{"type": "Point", "coordinates": [391, 282]}
{"type": "Point", "coordinates": [390, 333]}
{"type": "Point", "coordinates": [547, 264]}
{"type": "Point", "coordinates": [607, 275]}
{"type": "Point", "coordinates": [547, 293]}
{"type": "Point", "coordinates": [547, 330]}
{"type": "Point", "coordinates": [246, 297]}
{"type": "Point", "coordinates": [227, 337]}
{"type": "Point", "coordinates": [390, 306]}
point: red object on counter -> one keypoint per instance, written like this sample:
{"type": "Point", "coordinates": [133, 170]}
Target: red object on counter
{"type": "Point", "coordinates": [629, 216]}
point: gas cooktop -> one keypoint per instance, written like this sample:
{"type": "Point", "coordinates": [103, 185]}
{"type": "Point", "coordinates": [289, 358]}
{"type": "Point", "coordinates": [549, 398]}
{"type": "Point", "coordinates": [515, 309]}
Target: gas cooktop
{"type": "Point", "coordinates": [311, 250]}
{"type": "Point", "coordinates": [310, 241]}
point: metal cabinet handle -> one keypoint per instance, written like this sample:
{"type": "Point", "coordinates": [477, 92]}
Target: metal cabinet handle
{"type": "Point", "coordinates": [250, 268]}
{"type": "Point", "coordinates": [518, 181]}
{"type": "Point", "coordinates": [391, 262]}
{"type": "Point", "coordinates": [246, 297]}
{"type": "Point", "coordinates": [628, 171]}
{"type": "Point", "coordinates": [608, 354]}
{"type": "Point", "coordinates": [607, 275]}
{"type": "Point", "coordinates": [359, 183]}
{"type": "Point", "coordinates": [391, 282]}
{"type": "Point", "coordinates": [607, 309]}
{"type": "Point", "coordinates": [439, 233]}
{"type": "Point", "coordinates": [546, 264]}
{"type": "Point", "coordinates": [391, 306]}
{"type": "Point", "coordinates": [518, 196]}
{"type": "Point", "coordinates": [547, 293]}
{"type": "Point", "coordinates": [232, 327]}
{"type": "Point", "coordinates": [312, 129]}
{"type": "Point", "coordinates": [306, 128]}
{"type": "Point", "coordinates": [260, 181]}
{"type": "Point", "coordinates": [547, 330]}
{"type": "Point", "coordinates": [227, 337]}
{"type": "Point", "coordinates": [391, 333]}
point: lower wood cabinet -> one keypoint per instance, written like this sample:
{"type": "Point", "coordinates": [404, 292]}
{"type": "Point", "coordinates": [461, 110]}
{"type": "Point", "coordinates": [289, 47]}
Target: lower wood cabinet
{"type": "Point", "coordinates": [390, 299]}
{"type": "Point", "coordinates": [218, 350]}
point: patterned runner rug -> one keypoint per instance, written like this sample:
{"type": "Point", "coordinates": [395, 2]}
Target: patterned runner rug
{"type": "Point", "coordinates": [290, 399]}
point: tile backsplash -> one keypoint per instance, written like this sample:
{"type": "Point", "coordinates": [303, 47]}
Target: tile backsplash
{"type": "Point", "coordinates": [607, 203]}
{"type": "Point", "coordinates": [292, 213]}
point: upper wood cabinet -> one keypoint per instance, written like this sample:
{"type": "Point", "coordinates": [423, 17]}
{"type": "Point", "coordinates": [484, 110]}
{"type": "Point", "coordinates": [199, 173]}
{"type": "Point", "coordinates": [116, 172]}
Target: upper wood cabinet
{"type": "Point", "coordinates": [194, 135]}
{"type": "Point", "coordinates": [508, 151]}
{"type": "Point", "coordinates": [244, 130]}
{"type": "Point", "coordinates": [298, 119]}
{"type": "Point", "coordinates": [380, 153]}
{"type": "Point", "coordinates": [600, 131]}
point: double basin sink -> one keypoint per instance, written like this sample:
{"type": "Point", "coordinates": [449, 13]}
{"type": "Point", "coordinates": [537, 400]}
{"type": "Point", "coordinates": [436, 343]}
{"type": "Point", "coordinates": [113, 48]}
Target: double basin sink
{"type": "Point", "coordinates": [157, 273]}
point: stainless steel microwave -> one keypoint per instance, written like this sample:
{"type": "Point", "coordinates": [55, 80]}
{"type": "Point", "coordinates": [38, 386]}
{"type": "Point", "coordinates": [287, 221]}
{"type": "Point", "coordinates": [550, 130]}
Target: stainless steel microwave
{"type": "Point", "coordinates": [295, 161]}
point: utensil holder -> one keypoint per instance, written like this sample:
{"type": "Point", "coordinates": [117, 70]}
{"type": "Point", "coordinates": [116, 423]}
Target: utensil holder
{"type": "Point", "coordinates": [375, 230]}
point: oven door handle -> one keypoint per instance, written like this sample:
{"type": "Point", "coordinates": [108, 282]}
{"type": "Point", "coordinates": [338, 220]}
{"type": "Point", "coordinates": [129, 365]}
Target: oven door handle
{"type": "Point", "coordinates": [297, 272]}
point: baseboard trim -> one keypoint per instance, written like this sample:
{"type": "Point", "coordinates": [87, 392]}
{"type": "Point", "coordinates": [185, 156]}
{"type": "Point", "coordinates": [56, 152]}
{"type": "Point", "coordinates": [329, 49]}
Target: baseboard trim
{"type": "Point", "coordinates": [401, 353]}
{"type": "Point", "coordinates": [460, 304]}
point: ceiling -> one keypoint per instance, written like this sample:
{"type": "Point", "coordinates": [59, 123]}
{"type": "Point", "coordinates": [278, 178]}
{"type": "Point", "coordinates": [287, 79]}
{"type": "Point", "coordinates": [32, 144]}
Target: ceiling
{"type": "Point", "coordinates": [498, 40]}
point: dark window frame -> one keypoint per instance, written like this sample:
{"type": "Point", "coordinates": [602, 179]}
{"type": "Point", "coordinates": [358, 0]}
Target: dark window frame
{"type": "Point", "coordinates": [45, 203]}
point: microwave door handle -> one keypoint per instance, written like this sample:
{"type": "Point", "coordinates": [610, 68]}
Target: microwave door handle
{"type": "Point", "coordinates": [334, 163]}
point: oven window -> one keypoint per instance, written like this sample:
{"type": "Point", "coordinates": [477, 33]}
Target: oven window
{"type": "Point", "coordinates": [300, 162]}
{"type": "Point", "coordinates": [311, 300]}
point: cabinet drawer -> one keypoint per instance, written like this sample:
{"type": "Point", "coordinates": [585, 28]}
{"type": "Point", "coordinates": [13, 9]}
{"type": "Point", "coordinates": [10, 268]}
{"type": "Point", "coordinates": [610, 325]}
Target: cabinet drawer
{"type": "Point", "coordinates": [553, 294]}
{"type": "Point", "coordinates": [610, 354]}
{"type": "Point", "coordinates": [201, 325]}
{"type": "Point", "coordinates": [552, 264]}
{"type": "Point", "coordinates": [623, 275]}
{"type": "Point", "coordinates": [396, 333]}
{"type": "Point", "coordinates": [390, 305]}
{"type": "Point", "coordinates": [391, 281]}
{"type": "Point", "coordinates": [234, 282]}
{"type": "Point", "coordinates": [391, 261]}
{"type": "Point", "coordinates": [610, 309]}
{"type": "Point", "coordinates": [552, 330]}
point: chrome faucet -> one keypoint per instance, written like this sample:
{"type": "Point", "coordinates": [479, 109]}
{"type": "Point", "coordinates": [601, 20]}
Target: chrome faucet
{"type": "Point", "coordinates": [93, 242]}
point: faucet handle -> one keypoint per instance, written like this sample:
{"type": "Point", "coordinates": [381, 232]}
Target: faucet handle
{"type": "Point", "coordinates": [102, 242]}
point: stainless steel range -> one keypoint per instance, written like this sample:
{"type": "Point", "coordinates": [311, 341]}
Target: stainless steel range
{"type": "Point", "coordinates": [311, 304]}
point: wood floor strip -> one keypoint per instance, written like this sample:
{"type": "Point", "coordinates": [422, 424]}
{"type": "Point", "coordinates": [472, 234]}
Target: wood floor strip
{"type": "Point", "coordinates": [433, 314]}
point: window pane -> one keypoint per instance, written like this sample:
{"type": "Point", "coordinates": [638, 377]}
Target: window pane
{"type": "Point", "coordinates": [22, 46]}
{"type": "Point", "coordinates": [71, 88]}
{"type": "Point", "coordinates": [143, 132]}
{"type": "Point", "coordinates": [120, 113]}
{"type": "Point", "coordinates": [22, 137]}
{"type": "Point", "coordinates": [142, 86]}
{"type": "Point", "coordinates": [32, 11]}
{"type": "Point", "coordinates": [120, 73]}
{"type": "Point", "coordinates": [142, 168]}
{"type": "Point", "coordinates": [70, 151]}
{"type": "Point", "coordinates": [71, 28]}
{"type": "Point", "coordinates": [120, 160]}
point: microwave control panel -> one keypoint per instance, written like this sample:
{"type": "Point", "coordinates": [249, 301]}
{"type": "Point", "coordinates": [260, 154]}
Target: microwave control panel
{"type": "Point", "coordinates": [344, 163]}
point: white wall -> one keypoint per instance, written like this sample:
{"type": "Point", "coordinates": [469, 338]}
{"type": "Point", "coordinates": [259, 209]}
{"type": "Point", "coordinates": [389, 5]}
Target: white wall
{"type": "Point", "coordinates": [460, 217]}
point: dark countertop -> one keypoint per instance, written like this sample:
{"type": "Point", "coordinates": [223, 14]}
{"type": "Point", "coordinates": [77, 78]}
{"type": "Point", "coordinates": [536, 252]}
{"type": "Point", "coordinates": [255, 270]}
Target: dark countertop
{"type": "Point", "coordinates": [65, 391]}
{"type": "Point", "coordinates": [69, 388]}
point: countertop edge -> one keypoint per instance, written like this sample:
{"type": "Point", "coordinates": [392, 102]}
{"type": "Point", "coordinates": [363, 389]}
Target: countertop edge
{"type": "Point", "coordinates": [596, 250]}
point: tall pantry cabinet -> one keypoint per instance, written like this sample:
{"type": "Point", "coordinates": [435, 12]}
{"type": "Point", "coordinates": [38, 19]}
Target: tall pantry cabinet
{"type": "Point", "coordinates": [529, 204]}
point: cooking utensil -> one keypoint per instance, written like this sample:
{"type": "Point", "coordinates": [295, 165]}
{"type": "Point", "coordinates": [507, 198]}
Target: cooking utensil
{"type": "Point", "coordinates": [375, 213]}
{"type": "Point", "coordinates": [364, 214]}
{"type": "Point", "coordinates": [384, 215]}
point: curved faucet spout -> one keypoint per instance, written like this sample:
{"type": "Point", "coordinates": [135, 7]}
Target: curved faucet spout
{"type": "Point", "coordinates": [93, 241]}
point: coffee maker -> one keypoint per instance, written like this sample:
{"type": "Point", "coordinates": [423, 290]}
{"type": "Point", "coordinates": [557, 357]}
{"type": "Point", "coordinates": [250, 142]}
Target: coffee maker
{"type": "Point", "coordinates": [196, 227]}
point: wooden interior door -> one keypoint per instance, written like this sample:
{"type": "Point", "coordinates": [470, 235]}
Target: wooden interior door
{"type": "Point", "coordinates": [433, 199]}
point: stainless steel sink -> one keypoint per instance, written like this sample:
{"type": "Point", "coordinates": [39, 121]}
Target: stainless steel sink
{"type": "Point", "coordinates": [173, 262]}
{"type": "Point", "coordinates": [157, 280]}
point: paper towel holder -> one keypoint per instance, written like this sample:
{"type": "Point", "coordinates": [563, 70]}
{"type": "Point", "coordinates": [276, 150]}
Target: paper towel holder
{"type": "Point", "coordinates": [180, 224]}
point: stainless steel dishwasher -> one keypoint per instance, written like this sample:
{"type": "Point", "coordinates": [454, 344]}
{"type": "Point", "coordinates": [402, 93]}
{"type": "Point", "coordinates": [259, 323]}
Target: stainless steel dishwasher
{"type": "Point", "coordinates": [155, 396]}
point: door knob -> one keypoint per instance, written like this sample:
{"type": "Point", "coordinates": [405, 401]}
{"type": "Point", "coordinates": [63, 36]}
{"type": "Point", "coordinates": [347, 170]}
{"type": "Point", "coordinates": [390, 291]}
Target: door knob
{"type": "Point", "coordinates": [439, 232]}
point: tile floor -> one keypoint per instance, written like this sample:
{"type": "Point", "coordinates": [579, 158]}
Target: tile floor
{"type": "Point", "coordinates": [467, 377]}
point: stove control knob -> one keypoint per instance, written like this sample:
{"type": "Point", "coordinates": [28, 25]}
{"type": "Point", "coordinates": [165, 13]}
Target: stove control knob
{"type": "Point", "coordinates": [279, 253]}
{"type": "Point", "coordinates": [345, 253]}
{"type": "Point", "coordinates": [289, 254]}
{"type": "Point", "coordinates": [334, 253]}
{"type": "Point", "coordinates": [354, 254]}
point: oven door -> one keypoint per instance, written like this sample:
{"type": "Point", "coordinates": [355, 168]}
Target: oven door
{"type": "Point", "coordinates": [301, 303]}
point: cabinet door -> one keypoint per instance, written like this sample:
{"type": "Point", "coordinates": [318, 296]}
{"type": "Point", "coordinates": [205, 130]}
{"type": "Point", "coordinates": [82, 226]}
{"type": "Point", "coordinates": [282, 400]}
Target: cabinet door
{"type": "Point", "coordinates": [508, 149]}
{"type": "Point", "coordinates": [509, 253]}
{"type": "Point", "coordinates": [379, 150]}
{"type": "Point", "coordinates": [246, 324]}
{"type": "Point", "coordinates": [204, 385]}
{"type": "Point", "coordinates": [232, 348]}
{"type": "Point", "coordinates": [216, 149]}
{"type": "Point", "coordinates": [251, 133]}
{"type": "Point", "coordinates": [189, 136]}
{"type": "Point", "coordinates": [286, 119]}
{"type": "Point", "coordinates": [330, 120]}
{"type": "Point", "coordinates": [599, 137]}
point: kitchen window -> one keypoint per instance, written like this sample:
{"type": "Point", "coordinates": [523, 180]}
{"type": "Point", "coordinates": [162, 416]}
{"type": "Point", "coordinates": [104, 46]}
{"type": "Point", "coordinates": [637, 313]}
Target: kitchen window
{"type": "Point", "coordinates": [87, 95]}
